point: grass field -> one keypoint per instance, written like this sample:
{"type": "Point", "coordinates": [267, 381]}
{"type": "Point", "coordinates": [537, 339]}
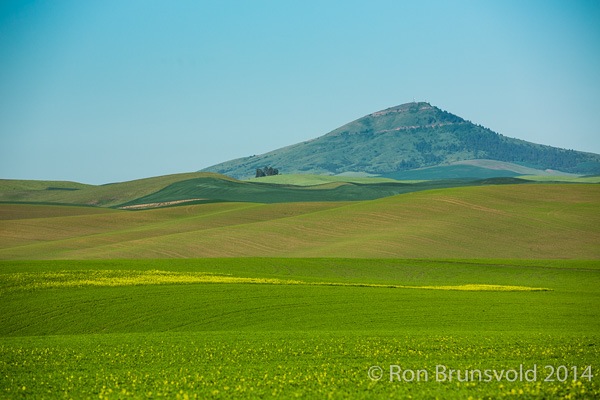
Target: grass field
{"type": "Point", "coordinates": [482, 168]}
{"type": "Point", "coordinates": [581, 179]}
{"type": "Point", "coordinates": [514, 221]}
{"type": "Point", "coordinates": [204, 187]}
{"type": "Point", "coordinates": [253, 300]}
{"type": "Point", "coordinates": [263, 191]}
{"type": "Point", "coordinates": [312, 180]}
{"type": "Point", "coordinates": [200, 187]}
{"type": "Point", "coordinates": [139, 335]}
{"type": "Point", "coordinates": [101, 196]}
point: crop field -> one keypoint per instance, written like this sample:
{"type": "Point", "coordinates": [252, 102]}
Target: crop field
{"type": "Point", "coordinates": [241, 299]}
{"type": "Point", "coordinates": [502, 221]}
{"type": "Point", "coordinates": [209, 187]}
{"type": "Point", "coordinates": [205, 187]}
{"type": "Point", "coordinates": [583, 179]}
{"type": "Point", "coordinates": [102, 195]}
{"type": "Point", "coordinates": [312, 180]}
{"type": "Point", "coordinates": [300, 328]}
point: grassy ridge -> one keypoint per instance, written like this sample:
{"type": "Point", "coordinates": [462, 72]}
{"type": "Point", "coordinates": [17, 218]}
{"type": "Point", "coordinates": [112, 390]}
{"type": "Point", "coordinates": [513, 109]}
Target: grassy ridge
{"type": "Point", "coordinates": [580, 179]}
{"type": "Point", "coordinates": [517, 221]}
{"type": "Point", "coordinates": [195, 188]}
{"type": "Point", "coordinates": [259, 192]}
{"type": "Point", "coordinates": [103, 195]}
{"type": "Point", "coordinates": [311, 180]}
{"type": "Point", "coordinates": [451, 171]}
{"type": "Point", "coordinates": [18, 185]}
{"type": "Point", "coordinates": [208, 187]}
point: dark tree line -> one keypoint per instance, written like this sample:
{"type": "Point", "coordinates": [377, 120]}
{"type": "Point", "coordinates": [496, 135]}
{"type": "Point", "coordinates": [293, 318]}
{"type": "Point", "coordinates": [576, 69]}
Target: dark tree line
{"type": "Point", "coordinates": [266, 171]}
{"type": "Point", "coordinates": [484, 143]}
{"type": "Point", "coordinates": [498, 147]}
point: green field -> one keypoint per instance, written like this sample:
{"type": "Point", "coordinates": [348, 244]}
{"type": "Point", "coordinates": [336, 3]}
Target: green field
{"type": "Point", "coordinates": [108, 195]}
{"type": "Point", "coordinates": [311, 299]}
{"type": "Point", "coordinates": [497, 221]}
{"type": "Point", "coordinates": [85, 336]}
{"type": "Point", "coordinates": [312, 180]}
{"type": "Point", "coordinates": [202, 188]}
{"type": "Point", "coordinates": [581, 179]}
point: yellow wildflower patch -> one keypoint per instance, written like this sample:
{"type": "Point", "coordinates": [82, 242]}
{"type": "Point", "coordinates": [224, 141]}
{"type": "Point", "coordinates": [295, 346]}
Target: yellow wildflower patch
{"type": "Point", "coordinates": [83, 278]}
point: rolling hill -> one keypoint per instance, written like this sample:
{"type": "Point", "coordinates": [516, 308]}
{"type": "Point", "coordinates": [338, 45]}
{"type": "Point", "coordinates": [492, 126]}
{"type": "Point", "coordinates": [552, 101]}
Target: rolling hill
{"type": "Point", "coordinates": [109, 195]}
{"type": "Point", "coordinates": [205, 187]}
{"type": "Point", "coordinates": [496, 221]}
{"type": "Point", "coordinates": [410, 137]}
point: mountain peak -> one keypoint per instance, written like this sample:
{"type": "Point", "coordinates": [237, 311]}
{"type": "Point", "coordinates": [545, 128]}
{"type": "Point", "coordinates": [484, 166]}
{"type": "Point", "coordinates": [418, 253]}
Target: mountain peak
{"type": "Point", "coordinates": [406, 107]}
{"type": "Point", "coordinates": [406, 137]}
{"type": "Point", "coordinates": [407, 116]}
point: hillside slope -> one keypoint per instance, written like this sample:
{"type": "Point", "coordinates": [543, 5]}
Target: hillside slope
{"type": "Point", "coordinates": [109, 195]}
{"type": "Point", "coordinates": [507, 221]}
{"type": "Point", "coordinates": [206, 187]}
{"type": "Point", "coordinates": [407, 137]}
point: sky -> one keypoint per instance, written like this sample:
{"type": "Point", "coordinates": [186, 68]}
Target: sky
{"type": "Point", "coordinates": [104, 91]}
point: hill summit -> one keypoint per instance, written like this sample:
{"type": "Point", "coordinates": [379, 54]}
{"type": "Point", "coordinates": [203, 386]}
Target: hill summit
{"type": "Point", "coordinates": [407, 137]}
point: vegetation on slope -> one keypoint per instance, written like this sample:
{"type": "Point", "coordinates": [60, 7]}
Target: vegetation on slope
{"type": "Point", "coordinates": [16, 185]}
{"type": "Point", "coordinates": [211, 340]}
{"type": "Point", "coordinates": [180, 189]}
{"type": "Point", "coordinates": [406, 137]}
{"type": "Point", "coordinates": [257, 191]}
{"type": "Point", "coordinates": [519, 221]}
{"type": "Point", "coordinates": [206, 306]}
{"type": "Point", "coordinates": [314, 180]}
{"type": "Point", "coordinates": [23, 281]}
{"type": "Point", "coordinates": [450, 172]}
{"type": "Point", "coordinates": [103, 195]}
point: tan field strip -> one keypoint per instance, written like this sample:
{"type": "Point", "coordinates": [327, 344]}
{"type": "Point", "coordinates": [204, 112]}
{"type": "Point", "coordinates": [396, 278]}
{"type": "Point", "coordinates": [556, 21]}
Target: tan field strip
{"type": "Point", "coordinates": [508, 221]}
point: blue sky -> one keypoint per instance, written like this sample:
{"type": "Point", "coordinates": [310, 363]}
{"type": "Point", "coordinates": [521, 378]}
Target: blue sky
{"type": "Point", "coordinates": [106, 91]}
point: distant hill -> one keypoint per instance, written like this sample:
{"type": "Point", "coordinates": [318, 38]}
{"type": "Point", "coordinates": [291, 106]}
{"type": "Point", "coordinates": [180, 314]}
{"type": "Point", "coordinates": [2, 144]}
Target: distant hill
{"type": "Point", "coordinates": [221, 190]}
{"type": "Point", "coordinates": [409, 137]}
{"type": "Point", "coordinates": [109, 195]}
{"type": "Point", "coordinates": [204, 187]}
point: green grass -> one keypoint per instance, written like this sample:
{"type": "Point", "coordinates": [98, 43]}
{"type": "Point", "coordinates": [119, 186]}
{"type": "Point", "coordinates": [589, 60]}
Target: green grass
{"type": "Point", "coordinates": [194, 188]}
{"type": "Point", "coordinates": [202, 188]}
{"type": "Point", "coordinates": [288, 365]}
{"type": "Point", "coordinates": [555, 178]}
{"type": "Point", "coordinates": [101, 195]}
{"type": "Point", "coordinates": [116, 308]}
{"type": "Point", "coordinates": [257, 191]}
{"type": "Point", "coordinates": [516, 221]}
{"type": "Point", "coordinates": [147, 307]}
{"type": "Point", "coordinates": [17, 185]}
{"type": "Point", "coordinates": [34, 211]}
{"type": "Point", "coordinates": [220, 340]}
{"type": "Point", "coordinates": [312, 180]}
{"type": "Point", "coordinates": [451, 172]}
